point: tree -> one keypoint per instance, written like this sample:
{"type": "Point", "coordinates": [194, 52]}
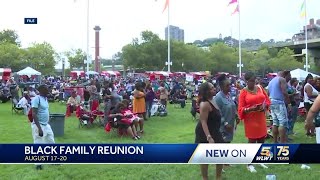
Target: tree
{"type": "Point", "coordinates": [131, 56]}
{"type": "Point", "coordinates": [222, 58]}
{"type": "Point", "coordinates": [76, 58]}
{"type": "Point", "coordinates": [11, 56]}
{"type": "Point", "coordinates": [148, 37]}
{"type": "Point", "coordinates": [260, 62]}
{"type": "Point", "coordinates": [41, 56]}
{"type": "Point", "coordinates": [9, 36]}
{"type": "Point", "coordinates": [284, 61]}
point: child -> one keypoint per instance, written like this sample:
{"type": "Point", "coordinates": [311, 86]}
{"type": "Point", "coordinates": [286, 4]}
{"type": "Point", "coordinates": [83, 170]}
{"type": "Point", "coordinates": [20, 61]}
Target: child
{"type": "Point", "coordinates": [134, 119]}
{"type": "Point", "coordinates": [120, 121]}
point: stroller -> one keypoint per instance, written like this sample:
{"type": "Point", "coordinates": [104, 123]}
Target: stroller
{"type": "Point", "coordinates": [162, 111]}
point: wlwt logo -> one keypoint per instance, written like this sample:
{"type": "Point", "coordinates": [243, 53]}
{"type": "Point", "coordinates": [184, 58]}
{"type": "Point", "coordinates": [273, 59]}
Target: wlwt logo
{"type": "Point", "coordinates": [265, 154]}
{"type": "Point", "coordinates": [30, 20]}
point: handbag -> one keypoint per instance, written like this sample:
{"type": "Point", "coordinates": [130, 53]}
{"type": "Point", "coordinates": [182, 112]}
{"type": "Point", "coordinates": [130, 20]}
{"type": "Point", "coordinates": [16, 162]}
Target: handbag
{"type": "Point", "coordinates": [30, 116]}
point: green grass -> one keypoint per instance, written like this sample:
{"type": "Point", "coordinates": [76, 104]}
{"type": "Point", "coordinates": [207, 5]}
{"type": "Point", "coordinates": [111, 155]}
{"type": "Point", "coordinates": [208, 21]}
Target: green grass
{"type": "Point", "coordinates": [177, 127]}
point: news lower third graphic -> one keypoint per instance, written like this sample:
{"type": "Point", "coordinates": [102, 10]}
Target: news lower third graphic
{"type": "Point", "coordinates": [30, 20]}
{"type": "Point", "coordinates": [159, 153]}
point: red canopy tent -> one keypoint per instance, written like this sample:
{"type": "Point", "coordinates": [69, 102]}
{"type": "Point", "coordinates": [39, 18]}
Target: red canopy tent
{"type": "Point", "coordinates": [198, 75]}
{"type": "Point", "coordinates": [5, 73]}
{"type": "Point", "coordinates": [179, 74]}
{"type": "Point", "coordinates": [159, 75]}
{"type": "Point", "coordinates": [76, 74]}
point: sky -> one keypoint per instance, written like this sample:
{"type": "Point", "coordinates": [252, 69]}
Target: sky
{"type": "Point", "coordinates": [63, 23]}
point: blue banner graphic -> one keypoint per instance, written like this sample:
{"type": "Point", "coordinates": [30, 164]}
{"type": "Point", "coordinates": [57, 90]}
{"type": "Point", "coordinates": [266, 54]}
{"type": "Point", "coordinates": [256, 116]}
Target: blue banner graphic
{"type": "Point", "coordinates": [159, 153]}
{"type": "Point", "coordinates": [96, 153]}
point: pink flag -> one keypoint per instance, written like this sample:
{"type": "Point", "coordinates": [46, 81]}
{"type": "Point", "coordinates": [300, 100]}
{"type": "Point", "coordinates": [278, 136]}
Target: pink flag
{"type": "Point", "coordinates": [232, 2]}
{"type": "Point", "coordinates": [166, 5]}
{"type": "Point", "coordinates": [236, 10]}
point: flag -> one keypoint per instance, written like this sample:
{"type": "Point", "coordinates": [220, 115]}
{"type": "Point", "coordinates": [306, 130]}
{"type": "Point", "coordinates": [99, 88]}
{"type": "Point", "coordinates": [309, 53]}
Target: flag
{"type": "Point", "coordinates": [236, 10]}
{"type": "Point", "coordinates": [303, 9]}
{"type": "Point", "coordinates": [232, 2]}
{"type": "Point", "coordinates": [166, 5]}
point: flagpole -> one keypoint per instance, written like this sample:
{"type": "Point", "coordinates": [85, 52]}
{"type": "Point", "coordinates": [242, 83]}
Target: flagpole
{"type": "Point", "coordinates": [240, 60]}
{"type": "Point", "coordinates": [88, 35]}
{"type": "Point", "coordinates": [306, 34]}
{"type": "Point", "coordinates": [169, 61]}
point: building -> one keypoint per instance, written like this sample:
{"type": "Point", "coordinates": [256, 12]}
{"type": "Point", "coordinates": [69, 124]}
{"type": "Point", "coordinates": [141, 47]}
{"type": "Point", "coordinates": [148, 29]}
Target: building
{"type": "Point", "coordinates": [175, 33]}
{"type": "Point", "coordinates": [313, 30]}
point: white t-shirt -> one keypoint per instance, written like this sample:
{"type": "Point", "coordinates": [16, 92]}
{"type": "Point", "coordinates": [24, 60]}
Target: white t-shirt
{"type": "Point", "coordinates": [23, 102]}
{"type": "Point", "coordinates": [305, 95]}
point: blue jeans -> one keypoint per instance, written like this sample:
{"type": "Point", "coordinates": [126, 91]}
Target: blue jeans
{"type": "Point", "coordinates": [279, 114]}
{"type": "Point", "coordinates": [148, 107]}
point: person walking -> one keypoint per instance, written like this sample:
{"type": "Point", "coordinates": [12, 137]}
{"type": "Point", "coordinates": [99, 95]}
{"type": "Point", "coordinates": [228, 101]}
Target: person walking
{"type": "Point", "coordinates": [41, 129]}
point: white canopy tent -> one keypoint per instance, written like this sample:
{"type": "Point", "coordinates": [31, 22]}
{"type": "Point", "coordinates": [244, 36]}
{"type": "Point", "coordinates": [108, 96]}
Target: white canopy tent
{"type": "Point", "coordinates": [92, 73]}
{"type": "Point", "coordinates": [28, 71]}
{"type": "Point", "coordinates": [300, 74]}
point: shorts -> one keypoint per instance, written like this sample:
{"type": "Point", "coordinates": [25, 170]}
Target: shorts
{"type": "Point", "coordinates": [307, 106]}
{"type": "Point", "coordinates": [279, 115]}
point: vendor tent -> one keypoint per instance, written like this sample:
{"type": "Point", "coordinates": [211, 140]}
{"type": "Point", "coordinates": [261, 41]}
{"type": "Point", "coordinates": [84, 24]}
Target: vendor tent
{"type": "Point", "coordinates": [5, 73]}
{"type": "Point", "coordinates": [300, 74]}
{"type": "Point", "coordinates": [28, 71]}
{"type": "Point", "coordinates": [92, 73]}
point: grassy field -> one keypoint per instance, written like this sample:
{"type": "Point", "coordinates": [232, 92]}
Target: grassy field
{"type": "Point", "coordinates": [177, 127]}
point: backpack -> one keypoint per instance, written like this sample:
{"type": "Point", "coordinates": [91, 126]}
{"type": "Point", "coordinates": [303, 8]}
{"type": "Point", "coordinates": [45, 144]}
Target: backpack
{"type": "Point", "coordinates": [30, 117]}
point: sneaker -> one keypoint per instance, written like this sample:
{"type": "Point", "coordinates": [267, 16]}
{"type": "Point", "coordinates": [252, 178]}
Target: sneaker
{"type": "Point", "coordinates": [223, 171]}
{"type": "Point", "coordinates": [138, 137]}
{"type": "Point", "coordinates": [304, 166]}
{"type": "Point", "coordinates": [39, 167]}
{"type": "Point", "coordinates": [264, 166]}
{"type": "Point", "coordinates": [251, 169]}
{"type": "Point", "coordinates": [135, 138]}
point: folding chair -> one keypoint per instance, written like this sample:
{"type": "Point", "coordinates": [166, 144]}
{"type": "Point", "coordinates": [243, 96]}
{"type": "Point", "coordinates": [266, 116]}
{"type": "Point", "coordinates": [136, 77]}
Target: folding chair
{"type": "Point", "coordinates": [14, 107]}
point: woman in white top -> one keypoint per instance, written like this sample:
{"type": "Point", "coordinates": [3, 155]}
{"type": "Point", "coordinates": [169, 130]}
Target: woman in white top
{"type": "Point", "coordinates": [309, 95]}
{"type": "Point", "coordinates": [24, 103]}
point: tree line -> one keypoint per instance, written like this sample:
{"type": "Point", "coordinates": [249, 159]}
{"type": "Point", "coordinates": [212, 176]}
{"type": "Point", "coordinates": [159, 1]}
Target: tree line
{"type": "Point", "coordinates": [40, 56]}
{"type": "Point", "coordinates": [149, 53]}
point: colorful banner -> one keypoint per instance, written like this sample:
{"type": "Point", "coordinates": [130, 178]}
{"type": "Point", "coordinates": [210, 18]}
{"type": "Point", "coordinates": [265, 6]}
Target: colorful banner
{"type": "Point", "coordinates": [159, 153]}
{"type": "Point", "coordinates": [303, 9]}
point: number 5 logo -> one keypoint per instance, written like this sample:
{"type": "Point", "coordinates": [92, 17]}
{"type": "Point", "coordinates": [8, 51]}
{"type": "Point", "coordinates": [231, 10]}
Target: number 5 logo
{"type": "Point", "coordinates": [283, 150]}
{"type": "Point", "coordinates": [265, 151]}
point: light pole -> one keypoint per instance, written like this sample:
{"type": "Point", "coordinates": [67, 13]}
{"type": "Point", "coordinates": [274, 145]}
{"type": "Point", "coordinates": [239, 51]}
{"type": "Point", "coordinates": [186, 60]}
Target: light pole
{"type": "Point", "coordinates": [63, 67]}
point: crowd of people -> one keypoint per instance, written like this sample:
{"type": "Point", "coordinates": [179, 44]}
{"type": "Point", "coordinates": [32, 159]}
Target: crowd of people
{"type": "Point", "coordinates": [280, 99]}
{"type": "Point", "coordinates": [222, 102]}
